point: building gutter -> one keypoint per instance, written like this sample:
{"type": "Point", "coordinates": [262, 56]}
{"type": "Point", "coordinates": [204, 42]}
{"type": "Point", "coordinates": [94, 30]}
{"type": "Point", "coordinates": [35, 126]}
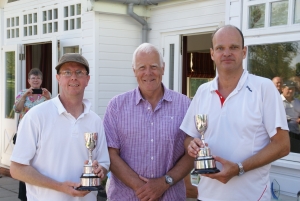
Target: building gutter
{"type": "Point", "coordinates": [141, 20]}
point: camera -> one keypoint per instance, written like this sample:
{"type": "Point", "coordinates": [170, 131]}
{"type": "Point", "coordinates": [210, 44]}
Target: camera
{"type": "Point", "coordinates": [37, 91]}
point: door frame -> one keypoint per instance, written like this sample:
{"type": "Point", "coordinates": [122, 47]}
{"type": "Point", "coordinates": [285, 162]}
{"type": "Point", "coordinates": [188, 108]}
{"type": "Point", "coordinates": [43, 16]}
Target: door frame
{"type": "Point", "coordinates": [8, 126]}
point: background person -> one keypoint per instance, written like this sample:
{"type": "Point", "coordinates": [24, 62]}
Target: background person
{"type": "Point", "coordinates": [26, 100]}
{"type": "Point", "coordinates": [247, 128]}
{"type": "Point", "coordinates": [278, 83]}
{"type": "Point", "coordinates": [292, 109]}
{"type": "Point", "coordinates": [50, 151]}
{"type": "Point", "coordinates": [148, 160]}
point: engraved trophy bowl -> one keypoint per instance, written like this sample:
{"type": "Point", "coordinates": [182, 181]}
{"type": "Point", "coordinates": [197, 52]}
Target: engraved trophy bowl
{"type": "Point", "coordinates": [88, 180]}
{"type": "Point", "coordinates": [204, 162]}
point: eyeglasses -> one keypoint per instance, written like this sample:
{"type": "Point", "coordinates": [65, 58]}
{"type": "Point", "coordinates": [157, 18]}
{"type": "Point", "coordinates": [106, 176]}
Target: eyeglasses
{"type": "Point", "coordinates": [78, 73]}
{"type": "Point", "coordinates": [35, 78]}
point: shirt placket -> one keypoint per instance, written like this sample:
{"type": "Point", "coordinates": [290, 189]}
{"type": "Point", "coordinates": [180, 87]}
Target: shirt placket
{"type": "Point", "coordinates": [151, 140]}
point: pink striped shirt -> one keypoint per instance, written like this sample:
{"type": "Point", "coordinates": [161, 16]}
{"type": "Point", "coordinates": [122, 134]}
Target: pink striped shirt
{"type": "Point", "coordinates": [150, 142]}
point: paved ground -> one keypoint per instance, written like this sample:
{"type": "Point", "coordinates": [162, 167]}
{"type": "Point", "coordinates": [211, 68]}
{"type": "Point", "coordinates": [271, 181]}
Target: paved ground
{"type": "Point", "coordinates": [9, 189]}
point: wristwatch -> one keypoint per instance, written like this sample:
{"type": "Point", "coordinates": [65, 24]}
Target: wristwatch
{"type": "Point", "coordinates": [169, 180]}
{"type": "Point", "coordinates": [241, 168]}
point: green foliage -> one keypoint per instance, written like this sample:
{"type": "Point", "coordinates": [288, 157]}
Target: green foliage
{"type": "Point", "coordinates": [273, 60]}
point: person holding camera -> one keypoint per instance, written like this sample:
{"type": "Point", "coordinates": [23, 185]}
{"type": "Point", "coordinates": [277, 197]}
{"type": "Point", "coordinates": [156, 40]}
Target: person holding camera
{"type": "Point", "coordinates": [28, 98]}
{"type": "Point", "coordinates": [25, 100]}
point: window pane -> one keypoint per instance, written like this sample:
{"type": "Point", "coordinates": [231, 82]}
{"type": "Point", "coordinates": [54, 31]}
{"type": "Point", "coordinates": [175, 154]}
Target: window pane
{"type": "Point", "coordinates": [257, 16]}
{"type": "Point", "coordinates": [30, 31]}
{"type": "Point", "coordinates": [72, 10]}
{"type": "Point", "coordinates": [12, 22]}
{"type": "Point", "coordinates": [35, 17]}
{"type": "Point", "coordinates": [44, 28]}
{"type": "Point", "coordinates": [10, 84]}
{"type": "Point", "coordinates": [72, 24]}
{"type": "Point", "coordinates": [17, 21]}
{"type": "Point", "coordinates": [44, 15]}
{"type": "Point", "coordinates": [17, 32]}
{"type": "Point", "coordinates": [25, 19]}
{"type": "Point", "coordinates": [297, 11]}
{"type": "Point", "coordinates": [282, 60]}
{"type": "Point", "coordinates": [55, 29]}
{"type": "Point", "coordinates": [72, 49]}
{"type": "Point", "coordinates": [35, 30]}
{"type": "Point", "coordinates": [12, 33]}
{"type": "Point", "coordinates": [49, 14]}
{"type": "Point", "coordinates": [66, 25]}
{"type": "Point", "coordinates": [55, 14]}
{"type": "Point", "coordinates": [78, 9]}
{"type": "Point", "coordinates": [8, 34]}
{"type": "Point", "coordinates": [279, 13]}
{"type": "Point", "coordinates": [66, 14]}
{"type": "Point", "coordinates": [8, 22]}
{"type": "Point", "coordinates": [78, 23]}
{"type": "Point", "coordinates": [49, 27]}
{"type": "Point", "coordinates": [25, 31]}
{"type": "Point", "coordinates": [29, 18]}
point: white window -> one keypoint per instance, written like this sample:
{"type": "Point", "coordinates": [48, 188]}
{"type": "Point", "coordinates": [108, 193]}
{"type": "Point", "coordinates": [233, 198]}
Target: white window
{"type": "Point", "coordinates": [72, 17]}
{"type": "Point", "coordinates": [30, 26]}
{"type": "Point", "coordinates": [50, 21]}
{"type": "Point", "coordinates": [12, 27]}
{"type": "Point", "coordinates": [296, 12]}
{"type": "Point", "coordinates": [272, 13]}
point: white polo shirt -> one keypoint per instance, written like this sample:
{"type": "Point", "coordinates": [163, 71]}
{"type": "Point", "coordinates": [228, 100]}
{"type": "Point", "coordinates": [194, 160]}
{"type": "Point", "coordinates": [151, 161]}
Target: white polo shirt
{"type": "Point", "coordinates": [236, 131]}
{"type": "Point", "coordinates": [52, 141]}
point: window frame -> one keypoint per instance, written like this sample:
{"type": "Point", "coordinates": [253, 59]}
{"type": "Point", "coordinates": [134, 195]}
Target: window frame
{"type": "Point", "coordinates": [267, 29]}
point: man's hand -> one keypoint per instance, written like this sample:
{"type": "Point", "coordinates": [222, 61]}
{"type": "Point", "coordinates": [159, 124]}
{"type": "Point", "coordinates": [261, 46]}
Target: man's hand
{"type": "Point", "coordinates": [228, 171]}
{"type": "Point", "coordinates": [98, 169]}
{"type": "Point", "coordinates": [153, 189]}
{"type": "Point", "coordinates": [69, 188]}
{"type": "Point", "coordinates": [194, 147]}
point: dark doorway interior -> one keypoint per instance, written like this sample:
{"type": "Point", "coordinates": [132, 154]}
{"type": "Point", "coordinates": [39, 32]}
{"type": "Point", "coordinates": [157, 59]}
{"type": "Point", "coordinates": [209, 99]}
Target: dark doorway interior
{"type": "Point", "coordinates": [40, 56]}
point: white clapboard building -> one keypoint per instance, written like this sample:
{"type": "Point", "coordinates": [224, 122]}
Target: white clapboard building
{"type": "Point", "coordinates": [35, 33]}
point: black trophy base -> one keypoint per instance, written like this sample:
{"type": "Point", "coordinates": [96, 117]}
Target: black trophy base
{"type": "Point", "coordinates": [89, 188]}
{"type": "Point", "coordinates": [206, 171]}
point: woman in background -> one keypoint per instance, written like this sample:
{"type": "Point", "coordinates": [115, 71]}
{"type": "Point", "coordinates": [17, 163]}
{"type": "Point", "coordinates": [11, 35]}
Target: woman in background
{"type": "Point", "coordinates": [25, 100]}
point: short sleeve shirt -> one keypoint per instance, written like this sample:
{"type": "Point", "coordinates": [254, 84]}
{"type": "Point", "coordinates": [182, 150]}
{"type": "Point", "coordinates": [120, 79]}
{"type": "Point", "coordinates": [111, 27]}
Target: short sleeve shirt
{"type": "Point", "coordinates": [237, 130]}
{"type": "Point", "coordinates": [150, 141]}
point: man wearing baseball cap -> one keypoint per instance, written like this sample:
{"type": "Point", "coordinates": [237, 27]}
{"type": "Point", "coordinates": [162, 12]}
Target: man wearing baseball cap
{"type": "Point", "coordinates": [292, 109]}
{"type": "Point", "coordinates": [51, 157]}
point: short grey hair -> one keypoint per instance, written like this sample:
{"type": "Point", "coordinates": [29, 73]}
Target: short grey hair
{"type": "Point", "coordinates": [147, 48]}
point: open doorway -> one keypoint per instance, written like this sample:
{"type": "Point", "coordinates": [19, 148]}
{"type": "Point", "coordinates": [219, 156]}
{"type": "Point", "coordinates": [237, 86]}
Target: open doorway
{"type": "Point", "coordinates": [198, 67]}
{"type": "Point", "coordinates": [40, 56]}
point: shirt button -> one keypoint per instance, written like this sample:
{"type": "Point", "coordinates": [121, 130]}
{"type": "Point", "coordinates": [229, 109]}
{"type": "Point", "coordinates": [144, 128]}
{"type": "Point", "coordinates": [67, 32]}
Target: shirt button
{"type": "Point", "coordinates": [151, 140]}
{"type": "Point", "coordinates": [152, 158]}
{"type": "Point", "coordinates": [148, 108]}
{"type": "Point", "coordinates": [151, 123]}
{"type": "Point", "coordinates": [152, 176]}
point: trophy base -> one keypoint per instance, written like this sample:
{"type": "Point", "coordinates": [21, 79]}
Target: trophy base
{"type": "Point", "coordinates": [89, 188]}
{"type": "Point", "coordinates": [206, 171]}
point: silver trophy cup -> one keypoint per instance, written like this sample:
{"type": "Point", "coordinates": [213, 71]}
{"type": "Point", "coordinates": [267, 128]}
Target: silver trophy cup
{"type": "Point", "coordinates": [90, 181]}
{"type": "Point", "coordinates": [204, 162]}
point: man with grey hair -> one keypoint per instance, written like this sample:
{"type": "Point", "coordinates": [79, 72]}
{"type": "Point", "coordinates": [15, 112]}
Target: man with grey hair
{"type": "Point", "coordinates": [148, 159]}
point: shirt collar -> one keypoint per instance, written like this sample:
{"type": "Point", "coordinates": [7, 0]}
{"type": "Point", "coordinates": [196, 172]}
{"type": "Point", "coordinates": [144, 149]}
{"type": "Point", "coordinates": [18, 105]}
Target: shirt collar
{"type": "Point", "coordinates": [138, 96]}
{"type": "Point", "coordinates": [284, 99]}
{"type": "Point", "coordinates": [61, 109]}
{"type": "Point", "coordinates": [243, 78]}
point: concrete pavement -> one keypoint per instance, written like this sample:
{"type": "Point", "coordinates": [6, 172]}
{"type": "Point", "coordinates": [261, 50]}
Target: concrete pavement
{"type": "Point", "coordinates": [9, 189]}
